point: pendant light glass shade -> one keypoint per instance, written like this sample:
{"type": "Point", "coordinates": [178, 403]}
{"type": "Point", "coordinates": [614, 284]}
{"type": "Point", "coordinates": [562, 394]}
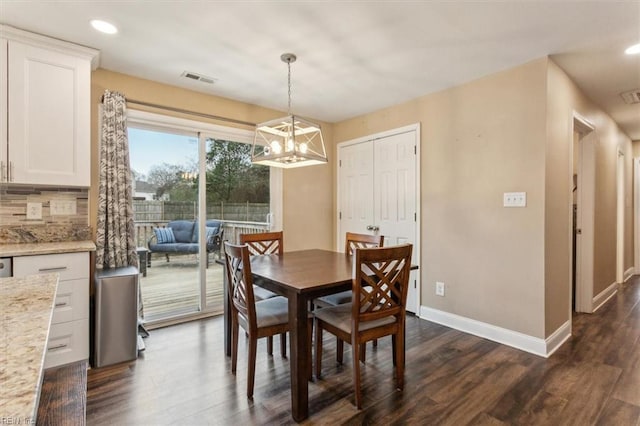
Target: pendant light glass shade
{"type": "Point", "coordinates": [290, 141]}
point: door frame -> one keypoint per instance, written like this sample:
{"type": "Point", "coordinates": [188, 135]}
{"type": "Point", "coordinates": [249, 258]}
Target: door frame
{"type": "Point", "coordinates": [418, 237]}
{"type": "Point", "coordinates": [584, 252]}
{"type": "Point", "coordinates": [620, 215]}
{"type": "Point", "coordinates": [636, 215]}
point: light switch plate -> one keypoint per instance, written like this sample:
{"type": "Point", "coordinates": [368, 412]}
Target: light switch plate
{"type": "Point", "coordinates": [515, 199]}
{"type": "Point", "coordinates": [34, 211]}
{"type": "Point", "coordinates": [62, 207]}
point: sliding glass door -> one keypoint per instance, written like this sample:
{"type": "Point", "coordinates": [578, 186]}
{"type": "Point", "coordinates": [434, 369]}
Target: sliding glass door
{"type": "Point", "coordinates": [164, 166]}
{"type": "Point", "coordinates": [192, 179]}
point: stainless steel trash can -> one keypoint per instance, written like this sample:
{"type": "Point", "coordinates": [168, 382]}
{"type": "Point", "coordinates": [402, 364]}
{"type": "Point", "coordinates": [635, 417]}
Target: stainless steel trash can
{"type": "Point", "coordinates": [116, 316]}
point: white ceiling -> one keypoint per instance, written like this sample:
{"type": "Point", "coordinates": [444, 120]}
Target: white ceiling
{"type": "Point", "coordinates": [353, 56]}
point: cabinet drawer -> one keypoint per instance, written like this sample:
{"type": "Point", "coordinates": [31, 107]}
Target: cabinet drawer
{"type": "Point", "coordinates": [69, 265]}
{"type": "Point", "coordinates": [68, 342]}
{"type": "Point", "coordinates": [72, 301]}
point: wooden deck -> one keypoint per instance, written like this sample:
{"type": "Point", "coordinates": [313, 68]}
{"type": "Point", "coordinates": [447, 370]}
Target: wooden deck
{"type": "Point", "coordinates": [172, 288]}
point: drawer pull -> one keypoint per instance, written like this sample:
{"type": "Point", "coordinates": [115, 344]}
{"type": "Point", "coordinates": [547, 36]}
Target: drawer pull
{"type": "Point", "coordinates": [59, 268]}
{"type": "Point", "coordinates": [59, 304]}
{"type": "Point", "coordinates": [60, 346]}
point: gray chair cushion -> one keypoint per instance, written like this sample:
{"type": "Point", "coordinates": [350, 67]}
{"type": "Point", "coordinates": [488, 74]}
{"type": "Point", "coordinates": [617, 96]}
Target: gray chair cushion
{"type": "Point", "coordinates": [340, 317]}
{"type": "Point", "coordinates": [272, 311]}
{"type": "Point", "coordinates": [334, 299]}
{"type": "Point", "coordinates": [262, 293]}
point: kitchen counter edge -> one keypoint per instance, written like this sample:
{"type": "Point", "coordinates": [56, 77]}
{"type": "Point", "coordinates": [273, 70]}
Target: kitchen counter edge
{"type": "Point", "coordinates": [31, 249]}
{"type": "Point", "coordinates": [27, 305]}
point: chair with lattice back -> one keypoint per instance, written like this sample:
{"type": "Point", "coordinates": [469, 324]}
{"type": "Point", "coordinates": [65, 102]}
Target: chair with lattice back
{"type": "Point", "coordinates": [264, 318]}
{"type": "Point", "coordinates": [263, 243]}
{"type": "Point", "coordinates": [353, 241]}
{"type": "Point", "coordinates": [379, 296]}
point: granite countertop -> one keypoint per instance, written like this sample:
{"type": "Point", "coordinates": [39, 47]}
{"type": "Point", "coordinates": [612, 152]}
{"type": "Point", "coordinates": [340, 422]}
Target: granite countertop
{"type": "Point", "coordinates": [29, 249]}
{"type": "Point", "coordinates": [26, 307]}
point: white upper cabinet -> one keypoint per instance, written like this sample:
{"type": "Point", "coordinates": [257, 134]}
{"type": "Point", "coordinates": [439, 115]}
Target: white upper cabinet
{"type": "Point", "coordinates": [46, 122]}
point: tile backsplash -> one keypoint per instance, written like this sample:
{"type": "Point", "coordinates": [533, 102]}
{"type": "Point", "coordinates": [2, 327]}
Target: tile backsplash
{"type": "Point", "coordinates": [15, 200]}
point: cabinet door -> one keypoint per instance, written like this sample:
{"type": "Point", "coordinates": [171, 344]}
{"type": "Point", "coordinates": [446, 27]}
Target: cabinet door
{"type": "Point", "coordinates": [48, 110]}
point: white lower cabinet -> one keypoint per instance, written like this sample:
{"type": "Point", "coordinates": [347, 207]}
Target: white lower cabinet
{"type": "Point", "coordinates": [69, 333]}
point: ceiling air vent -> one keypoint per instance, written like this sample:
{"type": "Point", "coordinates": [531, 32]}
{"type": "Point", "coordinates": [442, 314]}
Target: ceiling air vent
{"type": "Point", "coordinates": [198, 77]}
{"type": "Point", "coordinates": [631, 97]}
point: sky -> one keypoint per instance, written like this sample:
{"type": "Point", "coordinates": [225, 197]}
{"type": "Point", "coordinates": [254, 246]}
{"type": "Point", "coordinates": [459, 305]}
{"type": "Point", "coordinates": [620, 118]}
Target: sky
{"type": "Point", "coordinates": [148, 148]}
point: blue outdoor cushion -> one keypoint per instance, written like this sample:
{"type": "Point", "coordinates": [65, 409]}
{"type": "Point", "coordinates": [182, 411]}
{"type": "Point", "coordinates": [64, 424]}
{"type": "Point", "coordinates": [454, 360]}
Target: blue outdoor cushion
{"type": "Point", "coordinates": [164, 235]}
{"type": "Point", "coordinates": [212, 228]}
{"type": "Point", "coordinates": [183, 230]}
{"type": "Point", "coordinates": [211, 232]}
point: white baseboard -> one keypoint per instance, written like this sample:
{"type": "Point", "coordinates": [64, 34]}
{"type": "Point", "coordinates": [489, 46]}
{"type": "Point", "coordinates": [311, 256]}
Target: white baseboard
{"type": "Point", "coordinates": [534, 345]}
{"type": "Point", "coordinates": [628, 274]}
{"type": "Point", "coordinates": [604, 296]}
{"type": "Point", "coordinates": [558, 337]}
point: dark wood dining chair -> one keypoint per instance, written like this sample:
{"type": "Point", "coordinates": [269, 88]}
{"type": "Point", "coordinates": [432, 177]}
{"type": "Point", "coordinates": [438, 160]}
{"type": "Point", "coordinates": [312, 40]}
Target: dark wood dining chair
{"type": "Point", "coordinates": [379, 296]}
{"type": "Point", "coordinates": [264, 318]}
{"type": "Point", "coordinates": [262, 243]}
{"type": "Point", "coordinates": [352, 242]}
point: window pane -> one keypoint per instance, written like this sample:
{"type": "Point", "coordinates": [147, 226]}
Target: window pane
{"type": "Point", "coordinates": [237, 190]}
{"type": "Point", "coordinates": [164, 165]}
{"type": "Point", "coordinates": [166, 208]}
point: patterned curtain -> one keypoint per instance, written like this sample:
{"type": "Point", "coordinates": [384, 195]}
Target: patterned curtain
{"type": "Point", "coordinates": [115, 229]}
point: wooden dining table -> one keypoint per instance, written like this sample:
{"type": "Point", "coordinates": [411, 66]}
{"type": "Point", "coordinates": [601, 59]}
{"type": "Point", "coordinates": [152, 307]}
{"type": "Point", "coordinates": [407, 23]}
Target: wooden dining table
{"type": "Point", "coordinates": [300, 276]}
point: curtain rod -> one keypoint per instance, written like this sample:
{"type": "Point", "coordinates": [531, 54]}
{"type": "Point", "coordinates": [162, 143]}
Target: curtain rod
{"type": "Point", "coordinates": [184, 111]}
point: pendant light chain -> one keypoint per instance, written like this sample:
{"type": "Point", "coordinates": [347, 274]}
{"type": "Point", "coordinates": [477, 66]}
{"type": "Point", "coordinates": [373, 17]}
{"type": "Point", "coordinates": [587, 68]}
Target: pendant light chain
{"type": "Point", "coordinates": [289, 86]}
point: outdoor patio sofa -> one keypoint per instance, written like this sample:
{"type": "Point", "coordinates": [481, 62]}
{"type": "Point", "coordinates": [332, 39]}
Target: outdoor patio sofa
{"type": "Point", "coordinates": [181, 237]}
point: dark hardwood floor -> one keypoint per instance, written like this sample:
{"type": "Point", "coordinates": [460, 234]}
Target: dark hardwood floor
{"type": "Point", "coordinates": [63, 396]}
{"type": "Point", "coordinates": [452, 378]}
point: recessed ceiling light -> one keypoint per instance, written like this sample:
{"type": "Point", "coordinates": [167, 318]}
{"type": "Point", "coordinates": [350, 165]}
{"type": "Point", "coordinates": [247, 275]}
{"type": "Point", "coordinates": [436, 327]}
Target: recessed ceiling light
{"type": "Point", "coordinates": [103, 26]}
{"type": "Point", "coordinates": [633, 50]}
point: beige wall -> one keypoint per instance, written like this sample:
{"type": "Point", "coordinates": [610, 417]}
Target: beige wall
{"type": "Point", "coordinates": [511, 131]}
{"type": "Point", "coordinates": [308, 192]}
{"type": "Point", "coordinates": [558, 199]}
{"type": "Point", "coordinates": [478, 141]}
{"type": "Point", "coordinates": [564, 97]}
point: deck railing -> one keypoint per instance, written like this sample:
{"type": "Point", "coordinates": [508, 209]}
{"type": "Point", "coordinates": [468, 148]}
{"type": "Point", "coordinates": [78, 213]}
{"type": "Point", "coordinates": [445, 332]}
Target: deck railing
{"type": "Point", "coordinates": [232, 229]}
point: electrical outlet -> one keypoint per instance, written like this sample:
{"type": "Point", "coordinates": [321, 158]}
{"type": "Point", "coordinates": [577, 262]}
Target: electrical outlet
{"type": "Point", "coordinates": [439, 288]}
{"type": "Point", "coordinates": [34, 211]}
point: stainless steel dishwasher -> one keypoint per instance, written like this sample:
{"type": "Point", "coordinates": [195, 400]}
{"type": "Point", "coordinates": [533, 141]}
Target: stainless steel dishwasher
{"type": "Point", "coordinates": [5, 267]}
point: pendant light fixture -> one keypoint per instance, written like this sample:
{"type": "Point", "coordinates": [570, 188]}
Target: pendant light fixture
{"type": "Point", "coordinates": [291, 141]}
